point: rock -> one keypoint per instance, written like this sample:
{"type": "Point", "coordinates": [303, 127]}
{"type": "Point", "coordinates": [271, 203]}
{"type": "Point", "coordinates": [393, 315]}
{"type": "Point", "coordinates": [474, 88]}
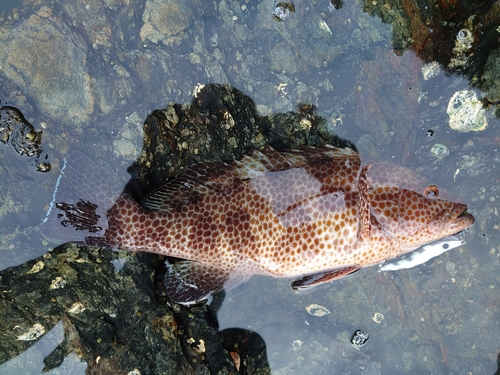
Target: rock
{"type": "Point", "coordinates": [90, 17]}
{"type": "Point", "coordinates": [165, 21]}
{"type": "Point", "coordinates": [491, 77]}
{"type": "Point", "coordinates": [466, 112]}
{"type": "Point", "coordinates": [17, 132]}
{"type": "Point", "coordinates": [317, 310]}
{"type": "Point", "coordinates": [41, 57]}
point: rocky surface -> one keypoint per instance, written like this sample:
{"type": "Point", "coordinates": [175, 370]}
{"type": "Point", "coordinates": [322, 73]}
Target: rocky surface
{"type": "Point", "coordinates": [105, 76]}
{"type": "Point", "coordinates": [33, 60]}
{"type": "Point", "coordinates": [111, 316]}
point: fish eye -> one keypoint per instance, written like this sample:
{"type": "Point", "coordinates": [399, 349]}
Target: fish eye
{"type": "Point", "coordinates": [446, 246]}
{"type": "Point", "coordinates": [431, 191]}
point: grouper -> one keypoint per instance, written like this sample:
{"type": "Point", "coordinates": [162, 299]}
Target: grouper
{"type": "Point", "coordinates": [311, 214]}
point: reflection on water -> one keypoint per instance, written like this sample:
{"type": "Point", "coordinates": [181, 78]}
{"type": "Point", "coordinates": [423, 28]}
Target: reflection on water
{"type": "Point", "coordinates": [88, 73]}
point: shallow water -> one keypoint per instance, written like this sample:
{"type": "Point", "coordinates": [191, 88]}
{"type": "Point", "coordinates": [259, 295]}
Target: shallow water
{"type": "Point", "coordinates": [441, 317]}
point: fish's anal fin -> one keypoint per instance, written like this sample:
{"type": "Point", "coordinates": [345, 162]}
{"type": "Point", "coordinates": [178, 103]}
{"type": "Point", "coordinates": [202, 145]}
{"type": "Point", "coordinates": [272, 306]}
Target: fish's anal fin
{"type": "Point", "coordinates": [364, 226]}
{"type": "Point", "coordinates": [188, 282]}
{"type": "Point", "coordinates": [316, 279]}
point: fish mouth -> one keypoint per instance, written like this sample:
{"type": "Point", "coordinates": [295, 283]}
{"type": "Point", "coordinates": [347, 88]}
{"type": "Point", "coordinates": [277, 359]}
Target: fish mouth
{"type": "Point", "coordinates": [457, 218]}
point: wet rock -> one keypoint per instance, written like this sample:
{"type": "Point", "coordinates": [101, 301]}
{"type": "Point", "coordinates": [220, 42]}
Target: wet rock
{"type": "Point", "coordinates": [166, 21]}
{"type": "Point", "coordinates": [429, 30]}
{"type": "Point", "coordinates": [99, 322]}
{"type": "Point", "coordinates": [220, 124]}
{"type": "Point", "coordinates": [466, 112]}
{"type": "Point", "coordinates": [90, 18]}
{"type": "Point", "coordinates": [249, 348]}
{"type": "Point", "coordinates": [41, 57]}
{"type": "Point", "coordinates": [491, 77]}
{"type": "Point", "coordinates": [17, 132]}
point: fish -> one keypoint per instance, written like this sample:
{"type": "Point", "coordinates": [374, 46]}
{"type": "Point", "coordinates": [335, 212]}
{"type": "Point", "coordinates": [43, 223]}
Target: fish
{"type": "Point", "coordinates": [311, 214]}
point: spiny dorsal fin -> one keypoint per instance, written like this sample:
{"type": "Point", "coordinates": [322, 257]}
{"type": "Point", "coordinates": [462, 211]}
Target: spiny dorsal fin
{"type": "Point", "coordinates": [364, 226]}
{"type": "Point", "coordinates": [192, 186]}
{"type": "Point", "coordinates": [203, 178]}
{"type": "Point", "coordinates": [270, 160]}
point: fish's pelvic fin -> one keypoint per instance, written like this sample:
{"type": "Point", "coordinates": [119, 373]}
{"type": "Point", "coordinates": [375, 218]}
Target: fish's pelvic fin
{"type": "Point", "coordinates": [81, 198]}
{"type": "Point", "coordinates": [316, 279]}
{"type": "Point", "coordinates": [188, 282]}
{"type": "Point", "coordinates": [364, 225]}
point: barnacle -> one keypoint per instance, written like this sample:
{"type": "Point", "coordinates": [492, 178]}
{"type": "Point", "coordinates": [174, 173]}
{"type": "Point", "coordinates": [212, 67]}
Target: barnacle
{"type": "Point", "coordinates": [283, 10]}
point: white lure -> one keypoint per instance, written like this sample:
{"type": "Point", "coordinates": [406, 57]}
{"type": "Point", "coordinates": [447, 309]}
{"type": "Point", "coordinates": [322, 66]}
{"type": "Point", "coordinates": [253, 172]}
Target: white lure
{"type": "Point", "coordinates": [422, 254]}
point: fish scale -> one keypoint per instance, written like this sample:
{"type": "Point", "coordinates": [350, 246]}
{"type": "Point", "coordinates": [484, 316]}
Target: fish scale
{"type": "Point", "coordinates": [315, 214]}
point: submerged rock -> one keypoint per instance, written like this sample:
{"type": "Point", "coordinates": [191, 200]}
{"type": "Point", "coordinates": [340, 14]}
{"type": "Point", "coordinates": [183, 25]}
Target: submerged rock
{"type": "Point", "coordinates": [165, 21]}
{"type": "Point", "coordinates": [52, 69]}
{"type": "Point", "coordinates": [466, 112]}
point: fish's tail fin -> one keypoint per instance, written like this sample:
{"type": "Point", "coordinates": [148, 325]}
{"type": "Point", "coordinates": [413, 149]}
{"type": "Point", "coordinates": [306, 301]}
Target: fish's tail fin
{"type": "Point", "coordinates": [83, 194]}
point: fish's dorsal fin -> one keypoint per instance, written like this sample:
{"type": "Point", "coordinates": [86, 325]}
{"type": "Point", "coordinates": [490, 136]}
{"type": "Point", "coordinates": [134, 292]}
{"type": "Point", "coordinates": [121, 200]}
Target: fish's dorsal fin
{"type": "Point", "coordinates": [188, 282]}
{"type": "Point", "coordinates": [189, 188]}
{"type": "Point", "coordinates": [364, 226]}
{"type": "Point", "coordinates": [259, 162]}
{"type": "Point", "coordinates": [270, 160]}
{"type": "Point", "coordinates": [201, 178]}
{"type": "Point", "coordinates": [319, 278]}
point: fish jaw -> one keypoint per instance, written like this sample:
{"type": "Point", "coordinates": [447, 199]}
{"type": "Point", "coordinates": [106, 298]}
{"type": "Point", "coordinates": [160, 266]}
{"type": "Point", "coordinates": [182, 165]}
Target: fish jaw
{"type": "Point", "coordinates": [448, 222]}
{"type": "Point", "coordinates": [453, 219]}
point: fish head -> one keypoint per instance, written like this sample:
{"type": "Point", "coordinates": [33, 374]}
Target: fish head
{"type": "Point", "coordinates": [414, 219]}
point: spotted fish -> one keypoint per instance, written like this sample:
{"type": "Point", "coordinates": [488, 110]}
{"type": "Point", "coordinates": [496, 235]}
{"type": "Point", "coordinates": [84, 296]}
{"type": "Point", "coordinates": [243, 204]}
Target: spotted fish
{"type": "Point", "coordinates": [313, 214]}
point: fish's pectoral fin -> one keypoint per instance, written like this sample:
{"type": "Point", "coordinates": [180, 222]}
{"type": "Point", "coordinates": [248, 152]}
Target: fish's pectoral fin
{"type": "Point", "coordinates": [316, 279]}
{"type": "Point", "coordinates": [188, 282]}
